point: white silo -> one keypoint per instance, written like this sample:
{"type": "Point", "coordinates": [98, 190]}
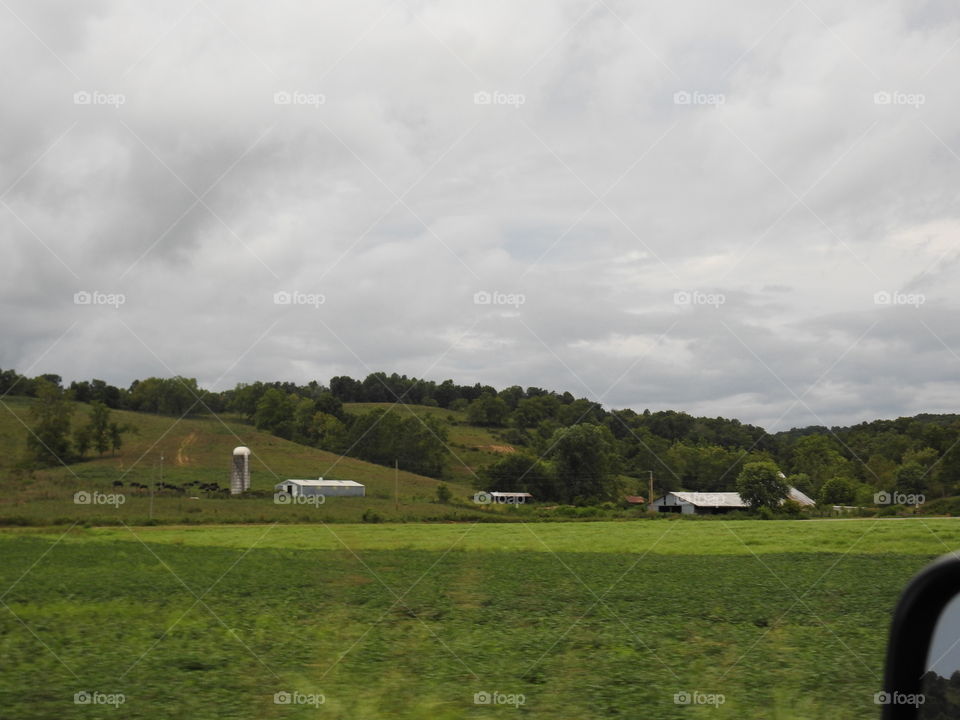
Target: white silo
{"type": "Point", "coordinates": [240, 472]}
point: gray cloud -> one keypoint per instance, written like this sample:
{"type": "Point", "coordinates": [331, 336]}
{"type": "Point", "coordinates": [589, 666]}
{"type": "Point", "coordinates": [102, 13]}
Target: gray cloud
{"type": "Point", "coordinates": [811, 169]}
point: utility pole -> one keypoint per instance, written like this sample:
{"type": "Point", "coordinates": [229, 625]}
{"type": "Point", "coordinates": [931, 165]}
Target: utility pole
{"type": "Point", "coordinates": [649, 489]}
{"type": "Point", "coordinates": [396, 485]}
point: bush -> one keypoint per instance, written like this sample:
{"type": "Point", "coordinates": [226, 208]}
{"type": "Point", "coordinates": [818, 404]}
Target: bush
{"type": "Point", "coordinates": [371, 516]}
{"type": "Point", "coordinates": [444, 493]}
{"type": "Point", "coordinates": [791, 508]}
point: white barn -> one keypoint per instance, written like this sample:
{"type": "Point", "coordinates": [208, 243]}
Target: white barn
{"type": "Point", "coordinates": [327, 488]}
{"type": "Point", "coordinates": [689, 503]}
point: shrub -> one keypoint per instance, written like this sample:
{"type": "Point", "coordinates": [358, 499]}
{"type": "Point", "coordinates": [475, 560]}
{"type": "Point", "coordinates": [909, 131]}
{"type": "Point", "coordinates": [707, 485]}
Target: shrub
{"type": "Point", "coordinates": [444, 493]}
{"type": "Point", "coordinates": [791, 508]}
{"type": "Point", "coordinates": [371, 516]}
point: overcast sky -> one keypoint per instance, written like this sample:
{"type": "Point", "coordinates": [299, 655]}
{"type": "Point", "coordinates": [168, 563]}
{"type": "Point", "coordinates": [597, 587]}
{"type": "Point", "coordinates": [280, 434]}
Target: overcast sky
{"type": "Point", "coordinates": [684, 205]}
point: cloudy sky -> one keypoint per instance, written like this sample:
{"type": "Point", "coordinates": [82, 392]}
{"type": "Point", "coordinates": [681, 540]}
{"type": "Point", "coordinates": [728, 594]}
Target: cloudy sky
{"type": "Point", "coordinates": [740, 209]}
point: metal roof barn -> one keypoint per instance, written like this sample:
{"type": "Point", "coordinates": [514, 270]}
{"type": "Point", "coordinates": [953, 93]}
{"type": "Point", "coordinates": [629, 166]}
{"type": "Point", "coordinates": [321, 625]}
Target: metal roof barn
{"type": "Point", "coordinates": [327, 488]}
{"type": "Point", "coordinates": [689, 503]}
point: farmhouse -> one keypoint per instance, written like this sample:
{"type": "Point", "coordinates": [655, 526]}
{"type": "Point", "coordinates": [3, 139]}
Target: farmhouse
{"type": "Point", "coordinates": [327, 488]}
{"type": "Point", "coordinates": [702, 503]}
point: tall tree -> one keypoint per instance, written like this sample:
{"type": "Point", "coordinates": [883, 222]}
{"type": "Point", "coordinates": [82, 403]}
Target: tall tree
{"type": "Point", "coordinates": [275, 411]}
{"type": "Point", "coordinates": [585, 463]}
{"type": "Point", "coordinates": [517, 472]}
{"type": "Point", "coordinates": [760, 485]}
{"type": "Point", "coordinates": [99, 427]}
{"type": "Point", "coordinates": [48, 442]}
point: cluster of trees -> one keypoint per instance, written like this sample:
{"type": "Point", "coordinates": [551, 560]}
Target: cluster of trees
{"type": "Point", "coordinates": [53, 439]}
{"type": "Point", "coordinates": [579, 467]}
{"type": "Point", "coordinates": [379, 436]}
{"type": "Point", "coordinates": [941, 696]}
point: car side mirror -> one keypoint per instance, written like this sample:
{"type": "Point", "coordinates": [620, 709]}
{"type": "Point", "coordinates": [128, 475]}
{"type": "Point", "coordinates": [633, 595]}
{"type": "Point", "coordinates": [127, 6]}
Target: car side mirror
{"type": "Point", "coordinates": [922, 676]}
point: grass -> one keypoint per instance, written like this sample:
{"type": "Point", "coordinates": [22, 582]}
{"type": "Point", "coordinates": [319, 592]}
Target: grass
{"type": "Point", "coordinates": [784, 619]}
{"type": "Point", "coordinates": [662, 537]}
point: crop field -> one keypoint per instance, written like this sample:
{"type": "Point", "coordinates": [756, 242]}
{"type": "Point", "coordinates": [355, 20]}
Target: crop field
{"type": "Point", "coordinates": [661, 619]}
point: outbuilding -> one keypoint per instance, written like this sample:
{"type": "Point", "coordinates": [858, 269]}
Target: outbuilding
{"type": "Point", "coordinates": [704, 503]}
{"type": "Point", "coordinates": [327, 488]}
{"type": "Point", "coordinates": [690, 503]}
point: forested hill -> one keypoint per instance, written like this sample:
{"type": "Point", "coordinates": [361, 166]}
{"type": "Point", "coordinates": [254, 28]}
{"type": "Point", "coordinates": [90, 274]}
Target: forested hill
{"type": "Point", "coordinates": [525, 431]}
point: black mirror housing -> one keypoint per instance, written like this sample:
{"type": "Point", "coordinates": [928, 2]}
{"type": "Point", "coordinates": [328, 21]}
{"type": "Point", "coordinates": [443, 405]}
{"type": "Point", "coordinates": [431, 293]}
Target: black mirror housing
{"type": "Point", "coordinates": [911, 633]}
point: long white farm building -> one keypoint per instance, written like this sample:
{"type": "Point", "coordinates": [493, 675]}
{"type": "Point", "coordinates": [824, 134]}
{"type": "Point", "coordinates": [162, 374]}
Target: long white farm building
{"type": "Point", "coordinates": [689, 503]}
{"type": "Point", "coordinates": [327, 488]}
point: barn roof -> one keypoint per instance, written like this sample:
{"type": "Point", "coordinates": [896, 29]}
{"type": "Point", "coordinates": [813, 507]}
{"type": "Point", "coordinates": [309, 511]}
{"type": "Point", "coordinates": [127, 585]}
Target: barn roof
{"type": "Point", "coordinates": [715, 499]}
{"type": "Point", "coordinates": [731, 499]}
{"type": "Point", "coordinates": [321, 483]}
{"type": "Point", "coordinates": [799, 497]}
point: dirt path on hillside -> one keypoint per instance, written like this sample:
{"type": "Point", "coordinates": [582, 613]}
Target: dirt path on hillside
{"type": "Point", "coordinates": [182, 457]}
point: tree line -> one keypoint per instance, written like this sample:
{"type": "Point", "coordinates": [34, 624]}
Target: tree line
{"type": "Point", "coordinates": [568, 449]}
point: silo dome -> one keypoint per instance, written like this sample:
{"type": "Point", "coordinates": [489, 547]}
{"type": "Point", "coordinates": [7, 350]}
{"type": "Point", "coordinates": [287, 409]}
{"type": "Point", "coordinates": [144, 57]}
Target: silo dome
{"type": "Point", "coordinates": [241, 450]}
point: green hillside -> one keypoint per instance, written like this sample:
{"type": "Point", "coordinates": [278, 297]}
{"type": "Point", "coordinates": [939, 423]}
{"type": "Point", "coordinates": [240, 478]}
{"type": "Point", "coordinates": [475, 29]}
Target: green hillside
{"type": "Point", "coordinates": [198, 450]}
{"type": "Point", "coordinates": [471, 447]}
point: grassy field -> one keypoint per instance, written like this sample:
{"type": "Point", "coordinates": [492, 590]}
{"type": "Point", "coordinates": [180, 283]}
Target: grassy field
{"type": "Point", "coordinates": [781, 619]}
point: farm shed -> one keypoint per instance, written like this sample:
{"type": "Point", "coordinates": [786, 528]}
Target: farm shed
{"type": "Point", "coordinates": [327, 488]}
{"type": "Point", "coordinates": [689, 503]}
{"type": "Point", "coordinates": [704, 503]}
